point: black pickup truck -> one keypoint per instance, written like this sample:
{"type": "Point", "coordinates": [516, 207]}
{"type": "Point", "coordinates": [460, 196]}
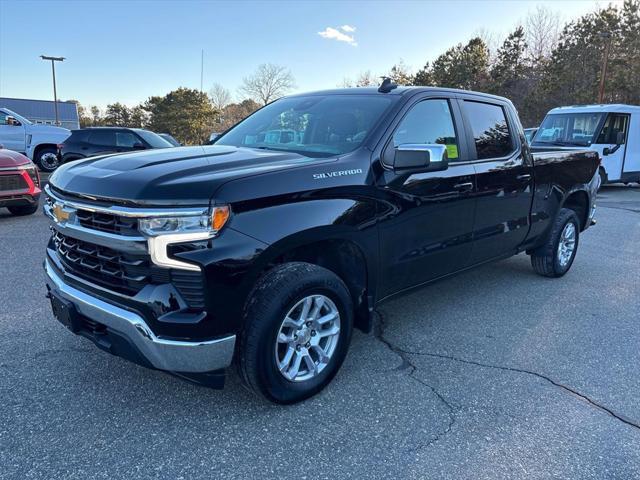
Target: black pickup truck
{"type": "Point", "coordinates": [267, 248]}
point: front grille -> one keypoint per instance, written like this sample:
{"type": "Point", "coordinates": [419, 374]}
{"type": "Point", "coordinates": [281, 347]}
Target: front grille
{"type": "Point", "coordinates": [12, 182]}
{"type": "Point", "coordinates": [123, 272]}
{"type": "Point", "coordinates": [115, 270]}
{"type": "Point", "coordinates": [106, 222]}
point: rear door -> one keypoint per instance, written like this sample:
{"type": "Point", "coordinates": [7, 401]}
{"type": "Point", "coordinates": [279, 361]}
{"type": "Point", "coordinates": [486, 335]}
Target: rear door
{"type": "Point", "coordinates": [126, 141]}
{"type": "Point", "coordinates": [426, 225]}
{"type": "Point", "coordinates": [101, 142]}
{"type": "Point", "coordinates": [504, 177]}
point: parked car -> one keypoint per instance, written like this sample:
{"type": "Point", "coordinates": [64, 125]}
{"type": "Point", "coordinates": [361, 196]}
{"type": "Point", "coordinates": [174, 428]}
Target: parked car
{"type": "Point", "coordinates": [170, 139]}
{"type": "Point", "coordinates": [529, 133]}
{"type": "Point", "coordinates": [19, 183]}
{"type": "Point", "coordinates": [611, 130]}
{"type": "Point", "coordinates": [89, 142]}
{"type": "Point", "coordinates": [268, 253]}
{"type": "Point", "coordinates": [38, 142]}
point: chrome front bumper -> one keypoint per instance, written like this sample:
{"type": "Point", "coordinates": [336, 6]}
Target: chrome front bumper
{"type": "Point", "coordinates": [163, 354]}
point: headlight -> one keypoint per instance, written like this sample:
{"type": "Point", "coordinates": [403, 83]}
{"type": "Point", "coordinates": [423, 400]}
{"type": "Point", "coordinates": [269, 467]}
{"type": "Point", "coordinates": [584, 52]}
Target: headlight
{"type": "Point", "coordinates": [31, 169]}
{"type": "Point", "coordinates": [211, 224]}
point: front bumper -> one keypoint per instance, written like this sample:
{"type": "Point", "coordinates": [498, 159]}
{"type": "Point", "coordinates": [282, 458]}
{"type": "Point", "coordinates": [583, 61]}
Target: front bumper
{"type": "Point", "coordinates": [176, 356]}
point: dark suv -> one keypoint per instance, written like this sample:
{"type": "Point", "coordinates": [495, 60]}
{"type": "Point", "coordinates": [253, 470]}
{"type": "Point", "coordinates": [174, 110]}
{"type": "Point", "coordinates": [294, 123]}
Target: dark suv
{"type": "Point", "coordinates": [89, 142]}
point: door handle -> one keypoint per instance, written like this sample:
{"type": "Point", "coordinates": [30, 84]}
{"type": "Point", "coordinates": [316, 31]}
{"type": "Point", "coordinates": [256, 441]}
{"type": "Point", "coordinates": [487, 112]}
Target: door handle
{"type": "Point", "coordinates": [524, 176]}
{"type": "Point", "coordinates": [464, 186]}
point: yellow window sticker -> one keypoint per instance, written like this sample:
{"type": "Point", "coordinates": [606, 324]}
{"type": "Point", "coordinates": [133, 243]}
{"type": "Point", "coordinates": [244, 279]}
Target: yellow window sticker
{"type": "Point", "coordinates": [452, 151]}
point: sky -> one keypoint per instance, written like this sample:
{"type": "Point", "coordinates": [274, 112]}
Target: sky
{"type": "Point", "coordinates": [127, 51]}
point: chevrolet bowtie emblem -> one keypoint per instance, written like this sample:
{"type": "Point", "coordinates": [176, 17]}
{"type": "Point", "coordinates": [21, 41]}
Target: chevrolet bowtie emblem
{"type": "Point", "coordinates": [59, 213]}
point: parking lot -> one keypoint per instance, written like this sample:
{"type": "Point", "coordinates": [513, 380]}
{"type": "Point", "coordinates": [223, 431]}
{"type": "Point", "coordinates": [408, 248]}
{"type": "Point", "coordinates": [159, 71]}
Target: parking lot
{"type": "Point", "coordinates": [495, 373]}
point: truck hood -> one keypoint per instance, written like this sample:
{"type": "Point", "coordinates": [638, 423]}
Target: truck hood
{"type": "Point", "coordinates": [171, 176]}
{"type": "Point", "coordinates": [48, 130]}
{"type": "Point", "coordinates": [9, 158]}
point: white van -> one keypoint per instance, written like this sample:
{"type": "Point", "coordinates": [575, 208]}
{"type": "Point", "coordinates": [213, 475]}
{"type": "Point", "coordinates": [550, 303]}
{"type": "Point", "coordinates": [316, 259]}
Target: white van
{"type": "Point", "coordinates": [611, 130]}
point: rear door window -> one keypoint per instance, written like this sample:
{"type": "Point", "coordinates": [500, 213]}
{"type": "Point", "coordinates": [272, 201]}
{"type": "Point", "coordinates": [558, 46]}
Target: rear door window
{"type": "Point", "coordinates": [126, 139]}
{"type": "Point", "coordinates": [105, 138]}
{"type": "Point", "coordinates": [490, 129]}
{"type": "Point", "coordinates": [78, 136]}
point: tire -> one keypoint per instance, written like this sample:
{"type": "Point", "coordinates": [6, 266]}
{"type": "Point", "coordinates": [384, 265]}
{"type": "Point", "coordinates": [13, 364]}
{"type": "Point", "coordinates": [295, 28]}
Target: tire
{"type": "Point", "coordinates": [23, 209]}
{"type": "Point", "coordinates": [47, 159]}
{"type": "Point", "coordinates": [603, 178]}
{"type": "Point", "coordinates": [281, 294]}
{"type": "Point", "coordinates": [547, 260]}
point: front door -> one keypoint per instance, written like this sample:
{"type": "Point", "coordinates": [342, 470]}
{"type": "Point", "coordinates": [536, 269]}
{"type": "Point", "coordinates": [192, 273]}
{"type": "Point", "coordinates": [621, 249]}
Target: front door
{"type": "Point", "coordinates": [426, 224]}
{"type": "Point", "coordinates": [12, 135]}
{"type": "Point", "coordinates": [616, 125]}
{"type": "Point", "coordinates": [504, 180]}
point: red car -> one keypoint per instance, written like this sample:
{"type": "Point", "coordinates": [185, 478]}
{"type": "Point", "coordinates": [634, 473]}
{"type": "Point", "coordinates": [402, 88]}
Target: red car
{"type": "Point", "coordinates": [19, 183]}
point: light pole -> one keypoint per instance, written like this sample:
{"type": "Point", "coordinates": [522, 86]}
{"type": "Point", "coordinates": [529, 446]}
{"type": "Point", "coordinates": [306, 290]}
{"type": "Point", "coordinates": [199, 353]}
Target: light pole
{"type": "Point", "coordinates": [53, 71]}
{"type": "Point", "coordinates": [607, 48]}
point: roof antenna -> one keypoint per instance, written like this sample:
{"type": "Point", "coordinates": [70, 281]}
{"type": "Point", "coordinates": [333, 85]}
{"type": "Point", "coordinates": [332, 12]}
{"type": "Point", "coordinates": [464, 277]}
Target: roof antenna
{"type": "Point", "coordinates": [387, 85]}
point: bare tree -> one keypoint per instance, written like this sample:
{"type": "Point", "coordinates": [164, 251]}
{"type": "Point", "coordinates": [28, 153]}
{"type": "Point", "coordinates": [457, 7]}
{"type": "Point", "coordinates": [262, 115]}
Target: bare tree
{"type": "Point", "coordinates": [367, 79]}
{"type": "Point", "coordinates": [491, 39]}
{"type": "Point", "coordinates": [542, 27]}
{"type": "Point", "coordinates": [401, 74]}
{"type": "Point", "coordinates": [220, 96]}
{"type": "Point", "coordinates": [268, 83]}
{"type": "Point", "coordinates": [364, 79]}
{"type": "Point", "coordinates": [346, 83]}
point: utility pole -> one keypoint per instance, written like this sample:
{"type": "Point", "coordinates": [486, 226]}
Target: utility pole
{"type": "Point", "coordinates": [201, 69]}
{"type": "Point", "coordinates": [53, 71]}
{"type": "Point", "coordinates": [603, 75]}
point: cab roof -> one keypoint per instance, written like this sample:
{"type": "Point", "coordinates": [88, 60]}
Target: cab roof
{"type": "Point", "coordinates": [602, 108]}
{"type": "Point", "coordinates": [396, 91]}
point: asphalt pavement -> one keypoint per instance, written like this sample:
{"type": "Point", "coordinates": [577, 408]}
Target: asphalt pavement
{"type": "Point", "coordinates": [494, 373]}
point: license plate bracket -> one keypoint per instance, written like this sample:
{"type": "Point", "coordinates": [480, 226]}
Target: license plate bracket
{"type": "Point", "coordinates": [64, 311]}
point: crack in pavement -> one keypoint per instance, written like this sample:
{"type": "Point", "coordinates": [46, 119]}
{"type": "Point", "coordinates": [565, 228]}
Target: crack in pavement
{"type": "Point", "coordinates": [619, 208]}
{"type": "Point", "coordinates": [379, 328]}
{"type": "Point", "coordinates": [403, 353]}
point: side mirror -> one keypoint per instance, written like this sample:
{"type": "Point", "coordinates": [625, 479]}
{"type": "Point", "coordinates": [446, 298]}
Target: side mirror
{"type": "Point", "coordinates": [427, 157]}
{"type": "Point", "coordinates": [139, 146]}
{"type": "Point", "coordinates": [620, 138]}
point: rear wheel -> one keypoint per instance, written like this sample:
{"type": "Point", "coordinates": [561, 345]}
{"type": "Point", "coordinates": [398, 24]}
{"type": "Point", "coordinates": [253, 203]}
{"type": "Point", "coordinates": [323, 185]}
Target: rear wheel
{"type": "Point", "coordinates": [23, 209]}
{"type": "Point", "coordinates": [555, 257]}
{"type": "Point", "coordinates": [47, 159]}
{"type": "Point", "coordinates": [298, 324]}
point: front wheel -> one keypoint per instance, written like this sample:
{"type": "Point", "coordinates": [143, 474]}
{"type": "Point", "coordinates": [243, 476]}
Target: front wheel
{"type": "Point", "coordinates": [47, 159]}
{"type": "Point", "coordinates": [603, 178]}
{"type": "Point", "coordinates": [297, 329]}
{"type": "Point", "coordinates": [555, 257]}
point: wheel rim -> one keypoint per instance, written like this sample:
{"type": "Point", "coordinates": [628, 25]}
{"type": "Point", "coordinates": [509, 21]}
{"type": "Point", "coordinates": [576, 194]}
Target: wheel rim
{"type": "Point", "coordinates": [49, 161]}
{"type": "Point", "coordinates": [567, 244]}
{"type": "Point", "coordinates": [307, 338]}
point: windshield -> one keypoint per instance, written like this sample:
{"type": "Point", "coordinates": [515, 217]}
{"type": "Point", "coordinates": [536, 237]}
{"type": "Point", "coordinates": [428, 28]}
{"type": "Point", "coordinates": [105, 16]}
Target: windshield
{"type": "Point", "coordinates": [568, 129]}
{"type": "Point", "coordinates": [20, 118]}
{"type": "Point", "coordinates": [153, 139]}
{"type": "Point", "coordinates": [315, 125]}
